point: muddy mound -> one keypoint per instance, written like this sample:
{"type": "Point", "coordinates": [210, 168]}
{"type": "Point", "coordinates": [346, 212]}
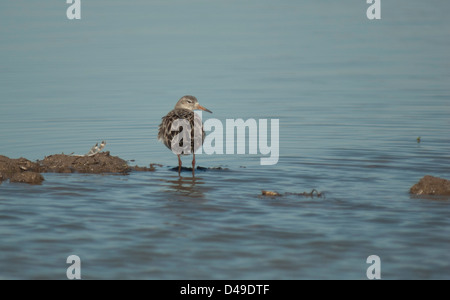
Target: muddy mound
{"type": "Point", "coordinates": [431, 186]}
{"type": "Point", "coordinates": [13, 168]}
{"type": "Point", "coordinates": [9, 166]}
{"type": "Point", "coordinates": [97, 164]}
{"type": "Point", "coordinates": [27, 177]}
{"type": "Point", "coordinates": [25, 171]}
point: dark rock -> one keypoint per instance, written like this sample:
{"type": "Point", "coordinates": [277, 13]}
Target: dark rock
{"type": "Point", "coordinates": [431, 186]}
{"type": "Point", "coordinates": [27, 177]}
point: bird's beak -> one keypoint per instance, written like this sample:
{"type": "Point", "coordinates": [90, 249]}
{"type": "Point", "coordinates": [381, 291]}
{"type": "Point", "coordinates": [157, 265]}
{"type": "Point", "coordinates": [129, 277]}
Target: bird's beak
{"type": "Point", "coordinates": [198, 106]}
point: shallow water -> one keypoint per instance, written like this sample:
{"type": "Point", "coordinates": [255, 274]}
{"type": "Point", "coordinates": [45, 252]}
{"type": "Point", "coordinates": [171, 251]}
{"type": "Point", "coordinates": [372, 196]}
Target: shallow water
{"type": "Point", "coordinates": [352, 96]}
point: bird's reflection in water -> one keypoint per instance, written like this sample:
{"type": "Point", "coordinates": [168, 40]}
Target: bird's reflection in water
{"type": "Point", "coordinates": [185, 186]}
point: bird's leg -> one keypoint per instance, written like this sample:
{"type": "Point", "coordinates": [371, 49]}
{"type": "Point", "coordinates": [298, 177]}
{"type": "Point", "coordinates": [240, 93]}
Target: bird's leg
{"type": "Point", "coordinates": [179, 165]}
{"type": "Point", "coordinates": [193, 166]}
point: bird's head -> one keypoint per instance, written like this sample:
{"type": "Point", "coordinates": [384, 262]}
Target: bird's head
{"type": "Point", "coordinates": [190, 103]}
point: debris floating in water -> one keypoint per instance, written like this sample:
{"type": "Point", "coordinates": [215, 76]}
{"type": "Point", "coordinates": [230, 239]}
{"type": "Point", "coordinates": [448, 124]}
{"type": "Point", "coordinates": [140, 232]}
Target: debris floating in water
{"type": "Point", "coordinates": [313, 193]}
{"type": "Point", "coordinates": [270, 193]}
{"type": "Point", "coordinates": [419, 139]}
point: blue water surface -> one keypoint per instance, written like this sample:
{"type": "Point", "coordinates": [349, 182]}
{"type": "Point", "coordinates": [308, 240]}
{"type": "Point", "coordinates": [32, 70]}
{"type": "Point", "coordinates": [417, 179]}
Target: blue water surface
{"type": "Point", "coordinates": [351, 95]}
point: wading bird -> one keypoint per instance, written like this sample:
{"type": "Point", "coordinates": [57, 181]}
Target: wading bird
{"type": "Point", "coordinates": [184, 110]}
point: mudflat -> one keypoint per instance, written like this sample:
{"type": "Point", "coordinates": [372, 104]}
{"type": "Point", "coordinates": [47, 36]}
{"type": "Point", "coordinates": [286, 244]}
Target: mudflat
{"type": "Point", "coordinates": [25, 171]}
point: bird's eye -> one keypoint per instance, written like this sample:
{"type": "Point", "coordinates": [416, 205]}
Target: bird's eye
{"type": "Point", "coordinates": [189, 101]}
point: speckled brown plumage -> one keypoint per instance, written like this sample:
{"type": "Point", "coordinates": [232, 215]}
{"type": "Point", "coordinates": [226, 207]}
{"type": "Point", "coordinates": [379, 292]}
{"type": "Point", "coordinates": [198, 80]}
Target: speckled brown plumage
{"type": "Point", "coordinates": [165, 134]}
{"type": "Point", "coordinates": [184, 110]}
